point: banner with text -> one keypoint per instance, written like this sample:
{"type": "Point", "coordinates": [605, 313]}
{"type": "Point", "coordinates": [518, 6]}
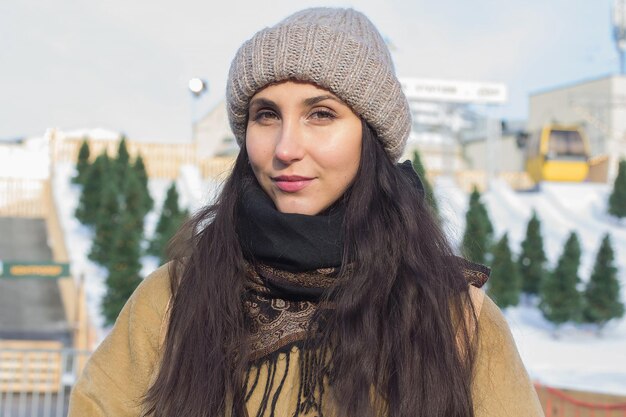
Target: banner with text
{"type": "Point", "coordinates": [34, 269]}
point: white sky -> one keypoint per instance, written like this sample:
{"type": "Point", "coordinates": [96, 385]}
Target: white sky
{"type": "Point", "coordinates": [124, 64]}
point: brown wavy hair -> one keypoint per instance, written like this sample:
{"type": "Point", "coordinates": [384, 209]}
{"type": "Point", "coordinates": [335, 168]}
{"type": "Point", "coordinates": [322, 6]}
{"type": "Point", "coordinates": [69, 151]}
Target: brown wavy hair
{"type": "Point", "coordinates": [397, 327]}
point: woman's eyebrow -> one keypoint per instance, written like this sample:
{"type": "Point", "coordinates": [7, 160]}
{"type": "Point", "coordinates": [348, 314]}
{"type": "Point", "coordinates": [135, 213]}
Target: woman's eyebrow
{"type": "Point", "coordinates": [314, 100]}
{"type": "Point", "coordinates": [262, 102]}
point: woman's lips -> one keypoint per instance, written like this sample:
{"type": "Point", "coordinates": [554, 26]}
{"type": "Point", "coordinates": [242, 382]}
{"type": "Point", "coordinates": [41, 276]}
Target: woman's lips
{"type": "Point", "coordinates": [291, 183]}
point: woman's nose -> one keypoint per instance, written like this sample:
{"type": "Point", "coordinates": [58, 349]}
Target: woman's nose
{"type": "Point", "coordinates": [290, 146]}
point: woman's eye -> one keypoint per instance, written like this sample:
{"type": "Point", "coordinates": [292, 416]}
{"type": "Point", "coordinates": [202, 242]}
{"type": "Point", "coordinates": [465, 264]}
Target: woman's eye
{"type": "Point", "coordinates": [264, 115]}
{"type": "Point", "coordinates": [323, 114]}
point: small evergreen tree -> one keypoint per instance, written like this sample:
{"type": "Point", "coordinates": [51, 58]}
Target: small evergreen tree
{"type": "Point", "coordinates": [172, 217]}
{"type": "Point", "coordinates": [140, 170]}
{"type": "Point", "coordinates": [560, 299]}
{"type": "Point", "coordinates": [533, 258]}
{"type": "Point", "coordinates": [98, 172]}
{"type": "Point", "coordinates": [106, 224]}
{"type": "Point", "coordinates": [617, 200]}
{"type": "Point", "coordinates": [602, 295]}
{"type": "Point", "coordinates": [124, 267]}
{"type": "Point", "coordinates": [82, 164]}
{"type": "Point", "coordinates": [504, 281]}
{"type": "Point", "coordinates": [478, 230]}
{"type": "Point", "coordinates": [122, 164]}
{"type": "Point", "coordinates": [134, 199]}
{"type": "Point", "coordinates": [123, 157]}
{"type": "Point", "coordinates": [428, 189]}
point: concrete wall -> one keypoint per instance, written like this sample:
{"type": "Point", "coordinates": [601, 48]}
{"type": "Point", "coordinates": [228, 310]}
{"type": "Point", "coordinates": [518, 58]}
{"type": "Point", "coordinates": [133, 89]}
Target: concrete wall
{"type": "Point", "coordinates": [616, 146]}
{"type": "Point", "coordinates": [213, 135]}
{"type": "Point", "coordinates": [575, 104]}
{"type": "Point", "coordinates": [509, 158]}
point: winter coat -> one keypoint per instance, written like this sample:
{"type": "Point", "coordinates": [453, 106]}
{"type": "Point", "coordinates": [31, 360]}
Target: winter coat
{"type": "Point", "coordinates": [122, 368]}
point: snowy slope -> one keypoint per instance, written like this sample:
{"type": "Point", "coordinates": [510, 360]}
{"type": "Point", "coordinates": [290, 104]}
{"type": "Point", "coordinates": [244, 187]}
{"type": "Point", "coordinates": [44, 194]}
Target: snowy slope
{"type": "Point", "coordinates": [578, 358]}
{"type": "Point", "coordinates": [78, 237]}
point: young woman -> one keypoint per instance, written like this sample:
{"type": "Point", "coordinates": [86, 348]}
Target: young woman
{"type": "Point", "coordinates": [319, 283]}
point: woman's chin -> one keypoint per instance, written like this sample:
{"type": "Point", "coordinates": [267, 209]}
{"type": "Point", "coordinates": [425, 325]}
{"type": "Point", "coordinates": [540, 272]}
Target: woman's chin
{"type": "Point", "coordinates": [297, 206]}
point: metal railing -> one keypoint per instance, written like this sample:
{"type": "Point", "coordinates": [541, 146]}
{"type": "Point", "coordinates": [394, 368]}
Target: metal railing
{"type": "Point", "coordinates": [37, 382]}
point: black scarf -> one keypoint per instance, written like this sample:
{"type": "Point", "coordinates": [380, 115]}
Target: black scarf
{"type": "Point", "coordinates": [295, 242]}
{"type": "Point", "coordinates": [286, 241]}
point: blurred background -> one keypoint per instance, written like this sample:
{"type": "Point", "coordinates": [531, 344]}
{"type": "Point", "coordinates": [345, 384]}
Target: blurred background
{"type": "Point", "coordinates": [113, 130]}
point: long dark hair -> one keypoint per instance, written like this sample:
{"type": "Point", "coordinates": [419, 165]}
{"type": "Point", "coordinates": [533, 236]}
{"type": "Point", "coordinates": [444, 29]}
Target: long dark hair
{"type": "Point", "coordinates": [398, 325]}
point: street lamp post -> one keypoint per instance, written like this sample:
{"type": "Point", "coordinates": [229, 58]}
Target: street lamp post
{"type": "Point", "coordinates": [197, 87]}
{"type": "Point", "coordinates": [619, 30]}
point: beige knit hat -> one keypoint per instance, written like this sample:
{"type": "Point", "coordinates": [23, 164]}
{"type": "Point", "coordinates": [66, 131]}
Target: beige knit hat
{"type": "Point", "coordinates": [337, 49]}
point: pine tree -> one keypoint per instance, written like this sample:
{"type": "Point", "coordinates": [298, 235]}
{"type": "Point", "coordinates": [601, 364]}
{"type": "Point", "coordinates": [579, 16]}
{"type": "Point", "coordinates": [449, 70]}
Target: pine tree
{"type": "Point", "coordinates": [478, 230]}
{"type": "Point", "coordinates": [82, 164]}
{"type": "Point", "coordinates": [122, 164]}
{"type": "Point", "coordinates": [560, 299]}
{"type": "Point", "coordinates": [504, 281]}
{"type": "Point", "coordinates": [170, 220]}
{"type": "Point", "coordinates": [124, 267]}
{"type": "Point", "coordinates": [106, 224]}
{"type": "Point", "coordinates": [602, 295]}
{"type": "Point", "coordinates": [533, 258]}
{"type": "Point", "coordinates": [140, 170]}
{"type": "Point", "coordinates": [97, 174]}
{"type": "Point", "coordinates": [133, 198]}
{"type": "Point", "coordinates": [428, 189]}
{"type": "Point", "coordinates": [617, 200]}
{"type": "Point", "coordinates": [123, 157]}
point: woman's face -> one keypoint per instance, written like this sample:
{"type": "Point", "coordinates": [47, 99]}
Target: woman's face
{"type": "Point", "coordinates": [304, 146]}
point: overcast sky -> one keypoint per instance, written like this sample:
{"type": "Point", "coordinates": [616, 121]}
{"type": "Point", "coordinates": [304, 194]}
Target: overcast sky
{"type": "Point", "coordinates": [124, 64]}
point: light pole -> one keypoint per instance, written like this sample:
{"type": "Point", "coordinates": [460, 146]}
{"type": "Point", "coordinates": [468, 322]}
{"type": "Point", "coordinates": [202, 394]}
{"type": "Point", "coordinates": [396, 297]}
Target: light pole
{"type": "Point", "coordinates": [619, 30]}
{"type": "Point", "coordinates": [197, 87]}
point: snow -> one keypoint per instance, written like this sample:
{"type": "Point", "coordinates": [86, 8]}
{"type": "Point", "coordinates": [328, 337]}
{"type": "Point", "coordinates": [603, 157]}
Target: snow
{"type": "Point", "coordinates": [576, 356]}
{"type": "Point", "coordinates": [27, 160]}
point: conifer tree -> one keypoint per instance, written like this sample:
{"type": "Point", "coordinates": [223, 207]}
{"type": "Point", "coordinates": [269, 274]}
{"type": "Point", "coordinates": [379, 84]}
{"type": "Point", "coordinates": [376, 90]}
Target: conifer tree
{"type": "Point", "coordinates": [170, 220]}
{"type": "Point", "coordinates": [602, 295]}
{"type": "Point", "coordinates": [133, 199]}
{"type": "Point", "coordinates": [107, 223]}
{"type": "Point", "coordinates": [123, 157]}
{"type": "Point", "coordinates": [122, 164]}
{"type": "Point", "coordinates": [504, 281]}
{"type": "Point", "coordinates": [82, 164]}
{"type": "Point", "coordinates": [560, 299]}
{"type": "Point", "coordinates": [140, 170]}
{"type": "Point", "coordinates": [428, 189]}
{"type": "Point", "coordinates": [478, 230]}
{"type": "Point", "coordinates": [533, 258]}
{"type": "Point", "coordinates": [98, 172]}
{"type": "Point", "coordinates": [124, 267]}
{"type": "Point", "coordinates": [617, 200]}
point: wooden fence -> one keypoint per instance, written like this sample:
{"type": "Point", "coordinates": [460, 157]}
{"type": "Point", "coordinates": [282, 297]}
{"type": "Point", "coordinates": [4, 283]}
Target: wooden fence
{"type": "Point", "coordinates": [30, 366]}
{"type": "Point", "coordinates": [467, 180]}
{"type": "Point", "coordinates": [21, 197]}
{"type": "Point", "coordinates": [162, 160]}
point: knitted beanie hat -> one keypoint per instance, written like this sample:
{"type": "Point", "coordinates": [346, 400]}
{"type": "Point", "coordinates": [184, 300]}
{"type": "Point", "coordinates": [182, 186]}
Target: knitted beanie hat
{"type": "Point", "coordinates": [339, 50]}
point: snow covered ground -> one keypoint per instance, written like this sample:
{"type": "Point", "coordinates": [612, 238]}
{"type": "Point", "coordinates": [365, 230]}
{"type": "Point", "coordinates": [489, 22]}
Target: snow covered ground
{"type": "Point", "coordinates": [578, 358]}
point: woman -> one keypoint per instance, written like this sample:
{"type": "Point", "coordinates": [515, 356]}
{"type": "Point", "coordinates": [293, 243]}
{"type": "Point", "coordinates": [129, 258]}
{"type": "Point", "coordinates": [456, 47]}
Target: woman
{"type": "Point", "coordinates": [319, 284]}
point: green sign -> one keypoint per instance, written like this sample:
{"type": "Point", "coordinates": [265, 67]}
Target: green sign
{"type": "Point", "coordinates": [34, 270]}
